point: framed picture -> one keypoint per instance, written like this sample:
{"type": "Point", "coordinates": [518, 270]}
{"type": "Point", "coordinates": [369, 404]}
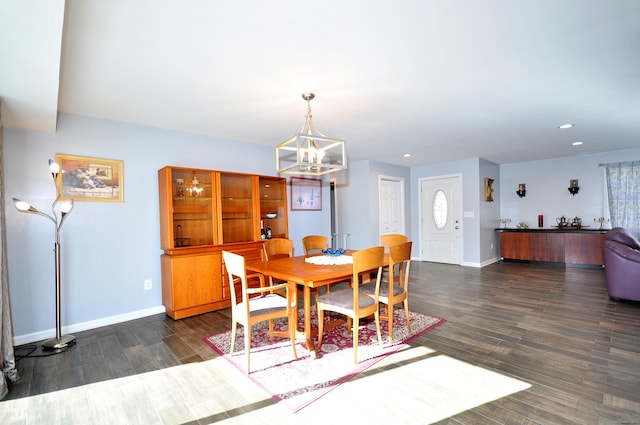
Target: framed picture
{"type": "Point", "coordinates": [84, 178]}
{"type": "Point", "coordinates": [306, 194]}
{"type": "Point", "coordinates": [488, 189]}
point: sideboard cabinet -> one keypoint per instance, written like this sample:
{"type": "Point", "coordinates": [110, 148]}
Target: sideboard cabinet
{"type": "Point", "coordinates": [515, 245]}
{"type": "Point", "coordinates": [570, 246]}
{"type": "Point", "coordinates": [202, 213]}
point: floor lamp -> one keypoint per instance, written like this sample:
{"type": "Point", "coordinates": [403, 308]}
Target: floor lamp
{"type": "Point", "coordinates": [59, 211]}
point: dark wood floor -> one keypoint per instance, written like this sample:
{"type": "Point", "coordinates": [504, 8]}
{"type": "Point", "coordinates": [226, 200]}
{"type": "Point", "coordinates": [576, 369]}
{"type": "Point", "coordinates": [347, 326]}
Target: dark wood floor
{"type": "Point", "coordinates": [552, 327]}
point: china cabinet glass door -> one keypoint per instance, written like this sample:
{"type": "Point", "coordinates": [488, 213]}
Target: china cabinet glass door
{"type": "Point", "coordinates": [273, 206]}
{"type": "Point", "coordinates": [192, 208]}
{"type": "Point", "coordinates": [236, 208]}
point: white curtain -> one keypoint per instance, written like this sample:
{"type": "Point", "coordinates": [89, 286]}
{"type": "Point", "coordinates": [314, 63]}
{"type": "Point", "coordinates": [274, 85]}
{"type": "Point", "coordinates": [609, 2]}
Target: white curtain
{"type": "Point", "coordinates": [7, 357]}
{"type": "Point", "coordinates": [623, 187]}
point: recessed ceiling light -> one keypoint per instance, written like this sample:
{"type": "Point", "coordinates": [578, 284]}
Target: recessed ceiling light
{"type": "Point", "coordinates": [576, 143]}
{"type": "Point", "coordinates": [568, 125]}
{"type": "Point", "coordinates": [407, 155]}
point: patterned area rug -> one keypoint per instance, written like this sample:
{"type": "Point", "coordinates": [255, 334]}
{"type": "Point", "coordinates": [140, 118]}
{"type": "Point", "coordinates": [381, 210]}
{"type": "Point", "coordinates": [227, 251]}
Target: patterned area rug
{"type": "Point", "coordinates": [297, 383]}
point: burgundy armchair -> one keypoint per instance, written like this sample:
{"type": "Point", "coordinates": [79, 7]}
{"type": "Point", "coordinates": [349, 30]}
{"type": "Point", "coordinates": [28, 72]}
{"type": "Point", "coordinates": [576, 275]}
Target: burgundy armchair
{"type": "Point", "coordinates": [622, 264]}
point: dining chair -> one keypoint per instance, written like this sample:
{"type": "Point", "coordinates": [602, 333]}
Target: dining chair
{"type": "Point", "coordinates": [391, 239]}
{"type": "Point", "coordinates": [277, 247]}
{"type": "Point", "coordinates": [257, 304]}
{"type": "Point", "coordinates": [352, 302]}
{"type": "Point", "coordinates": [388, 241]}
{"type": "Point", "coordinates": [394, 290]}
{"type": "Point", "coordinates": [314, 243]}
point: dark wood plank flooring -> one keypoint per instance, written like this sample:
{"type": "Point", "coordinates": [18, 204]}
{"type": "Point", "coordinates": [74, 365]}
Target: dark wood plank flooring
{"type": "Point", "coordinates": [553, 327]}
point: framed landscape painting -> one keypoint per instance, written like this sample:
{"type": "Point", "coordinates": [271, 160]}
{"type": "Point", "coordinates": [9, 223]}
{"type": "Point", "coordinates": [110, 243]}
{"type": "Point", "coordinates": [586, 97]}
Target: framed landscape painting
{"type": "Point", "coordinates": [306, 194]}
{"type": "Point", "coordinates": [84, 178]}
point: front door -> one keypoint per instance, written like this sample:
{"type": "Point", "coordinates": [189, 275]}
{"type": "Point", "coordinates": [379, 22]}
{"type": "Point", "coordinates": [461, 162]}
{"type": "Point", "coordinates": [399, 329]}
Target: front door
{"type": "Point", "coordinates": [440, 219]}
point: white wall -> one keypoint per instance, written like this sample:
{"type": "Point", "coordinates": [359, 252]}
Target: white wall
{"type": "Point", "coordinates": [303, 223]}
{"type": "Point", "coordinates": [469, 169]}
{"type": "Point", "coordinates": [108, 249]}
{"type": "Point", "coordinates": [354, 215]}
{"type": "Point", "coordinates": [31, 32]}
{"type": "Point", "coordinates": [547, 182]}
{"type": "Point", "coordinates": [358, 198]}
{"type": "Point", "coordinates": [489, 213]}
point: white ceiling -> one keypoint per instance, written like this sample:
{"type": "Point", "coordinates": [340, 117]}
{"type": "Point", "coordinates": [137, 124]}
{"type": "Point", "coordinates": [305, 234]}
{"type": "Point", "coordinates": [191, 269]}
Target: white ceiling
{"type": "Point", "coordinates": [441, 79]}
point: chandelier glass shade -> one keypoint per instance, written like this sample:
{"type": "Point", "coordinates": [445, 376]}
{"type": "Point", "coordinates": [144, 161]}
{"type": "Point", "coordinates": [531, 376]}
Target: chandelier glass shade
{"type": "Point", "coordinates": [309, 152]}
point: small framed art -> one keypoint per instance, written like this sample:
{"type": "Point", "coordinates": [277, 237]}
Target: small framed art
{"type": "Point", "coordinates": [488, 189]}
{"type": "Point", "coordinates": [84, 178]}
{"type": "Point", "coordinates": [306, 194]}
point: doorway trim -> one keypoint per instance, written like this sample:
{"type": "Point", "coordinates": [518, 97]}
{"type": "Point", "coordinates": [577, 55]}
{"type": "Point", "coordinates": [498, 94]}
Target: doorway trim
{"type": "Point", "coordinates": [402, 211]}
{"type": "Point", "coordinates": [421, 216]}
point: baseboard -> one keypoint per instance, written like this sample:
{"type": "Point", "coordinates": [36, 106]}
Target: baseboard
{"type": "Point", "coordinates": [469, 264]}
{"type": "Point", "coordinates": [482, 264]}
{"type": "Point", "coordinates": [84, 326]}
{"type": "Point", "coordinates": [491, 261]}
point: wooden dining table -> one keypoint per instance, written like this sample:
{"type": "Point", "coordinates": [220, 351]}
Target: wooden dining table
{"type": "Point", "coordinates": [296, 270]}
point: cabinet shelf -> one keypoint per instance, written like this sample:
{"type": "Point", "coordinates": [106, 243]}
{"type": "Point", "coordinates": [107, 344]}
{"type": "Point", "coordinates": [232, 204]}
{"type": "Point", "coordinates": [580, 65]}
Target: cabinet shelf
{"type": "Point", "coordinates": [233, 208]}
{"type": "Point", "coordinates": [185, 209]}
{"type": "Point", "coordinates": [187, 198]}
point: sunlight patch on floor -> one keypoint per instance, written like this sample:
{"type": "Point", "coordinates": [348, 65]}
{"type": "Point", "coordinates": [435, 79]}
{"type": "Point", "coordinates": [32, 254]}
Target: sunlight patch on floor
{"type": "Point", "coordinates": [175, 395]}
{"type": "Point", "coordinates": [422, 387]}
{"type": "Point", "coordinates": [452, 386]}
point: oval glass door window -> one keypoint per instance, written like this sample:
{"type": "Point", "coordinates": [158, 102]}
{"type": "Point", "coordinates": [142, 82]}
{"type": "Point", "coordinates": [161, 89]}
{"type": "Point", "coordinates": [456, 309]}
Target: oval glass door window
{"type": "Point", "coordinates": [440, 209]}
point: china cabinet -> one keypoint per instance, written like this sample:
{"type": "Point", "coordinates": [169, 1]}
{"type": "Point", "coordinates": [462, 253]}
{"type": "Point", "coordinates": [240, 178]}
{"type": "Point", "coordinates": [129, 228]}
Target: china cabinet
{"type": "Point", "coordinates": [203, 212]}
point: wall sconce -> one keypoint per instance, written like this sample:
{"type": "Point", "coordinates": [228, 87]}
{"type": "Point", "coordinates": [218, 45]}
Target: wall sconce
{"type": "Point", "coordinates": [573, 186]}
{"type": "Point", "coordinates": [522, 190]}
{"type": "Point", "coordinates": [59, 211]}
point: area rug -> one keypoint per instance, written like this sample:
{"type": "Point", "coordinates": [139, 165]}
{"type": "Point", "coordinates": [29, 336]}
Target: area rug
{"type": "Point", "coordinates": [297, 383]}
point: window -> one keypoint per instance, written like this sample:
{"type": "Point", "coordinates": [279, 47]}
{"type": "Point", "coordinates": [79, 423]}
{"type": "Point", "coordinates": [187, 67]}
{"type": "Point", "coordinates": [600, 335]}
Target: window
{"type": "Point", "coordinates": [440, 209]}
{"type": "Point", "coordinates": [623, 187]}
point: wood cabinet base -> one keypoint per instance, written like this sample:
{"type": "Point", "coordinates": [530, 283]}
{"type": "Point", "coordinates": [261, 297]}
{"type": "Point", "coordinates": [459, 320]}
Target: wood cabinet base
{"type": "Point", "coordinates": [200, 309]}
{"type": "Point", "coordinates": [194, 281]}
{"type": "Point", "coordinates": [572, 247]}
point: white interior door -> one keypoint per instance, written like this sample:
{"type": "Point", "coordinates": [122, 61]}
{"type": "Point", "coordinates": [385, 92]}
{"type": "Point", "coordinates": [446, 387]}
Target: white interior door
{"type": "Point", "coordinates": [391, 205]}
{"type": "Point", "coordinates": [440, 219]}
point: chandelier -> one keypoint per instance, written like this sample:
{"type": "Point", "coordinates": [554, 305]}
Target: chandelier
{"type": "Point", "coordinates": [309, 152]}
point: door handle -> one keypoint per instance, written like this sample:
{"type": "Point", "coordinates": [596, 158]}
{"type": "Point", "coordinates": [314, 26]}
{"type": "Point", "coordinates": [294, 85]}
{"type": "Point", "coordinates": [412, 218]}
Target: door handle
{"type": "Point", "coordinates": [456, 227]}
